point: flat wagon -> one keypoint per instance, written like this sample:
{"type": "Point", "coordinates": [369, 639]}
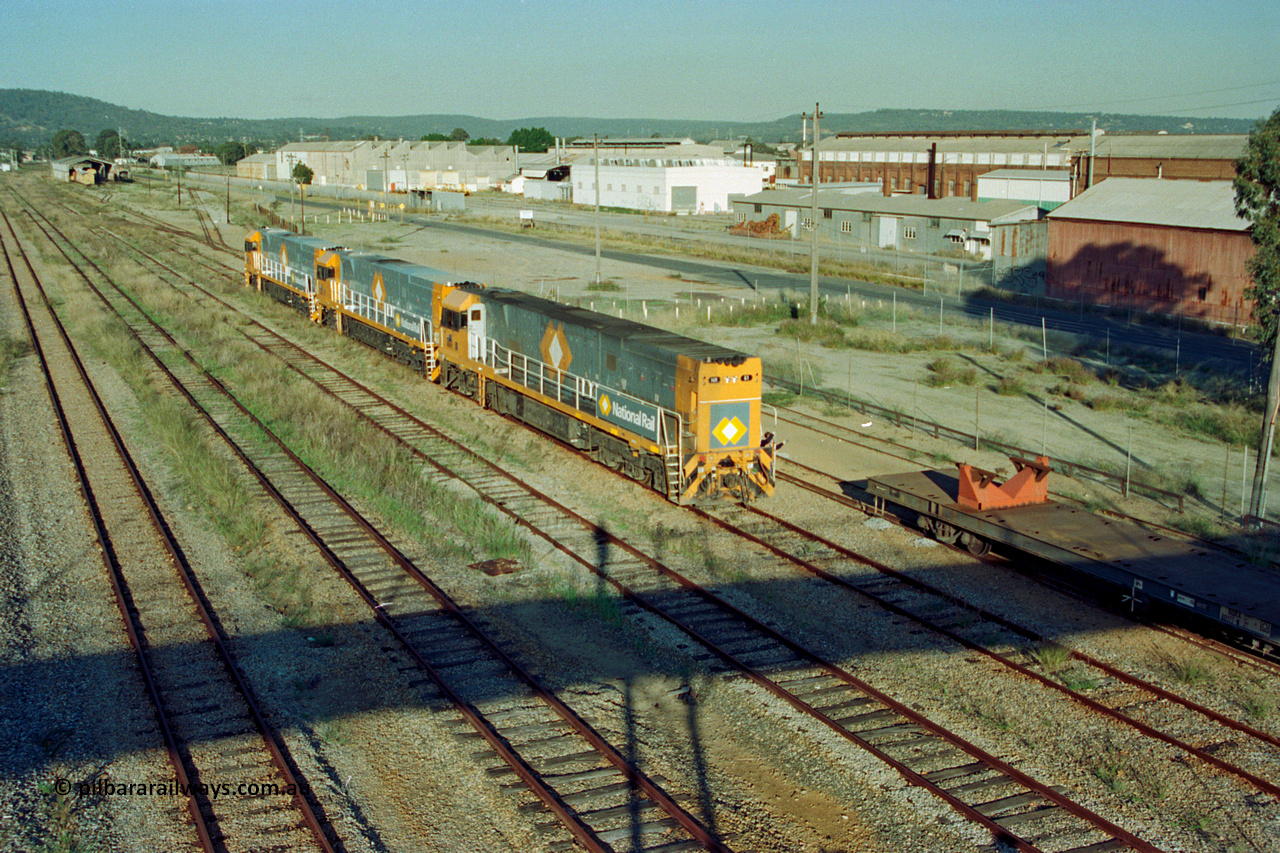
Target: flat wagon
{"type": "Point", "coordinates": [969, 508]}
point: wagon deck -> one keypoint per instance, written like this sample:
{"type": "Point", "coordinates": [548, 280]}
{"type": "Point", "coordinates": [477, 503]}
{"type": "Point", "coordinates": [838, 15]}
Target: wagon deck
{"type": "Point", "coordinates": [1214, 584]}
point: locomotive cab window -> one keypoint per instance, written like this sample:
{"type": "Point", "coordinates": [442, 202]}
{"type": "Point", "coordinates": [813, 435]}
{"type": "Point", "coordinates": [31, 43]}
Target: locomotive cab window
{"type": "Point", "coordinates": [324, 273]}
{"type": "Point", "coordinates": [475, 313]}
{"type": "Point", "coordinates": [250, 246]}
{"type": "Point", "coordinates": [451, 319]}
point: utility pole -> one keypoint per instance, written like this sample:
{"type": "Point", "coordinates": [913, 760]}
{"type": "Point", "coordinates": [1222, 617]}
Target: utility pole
{"type": "Point", "coordinates": [813, 221]}
{"type": "Point", "coordinates": [179, 185]}
{"type": "Point", "coordinates": [228, 198]}
{"type": "Point", "coordinates": [1258, 499]}
{"type": "Point", "coordinates": [595, 144]}
{"type": "Point", "coordinates": [1093, 140]}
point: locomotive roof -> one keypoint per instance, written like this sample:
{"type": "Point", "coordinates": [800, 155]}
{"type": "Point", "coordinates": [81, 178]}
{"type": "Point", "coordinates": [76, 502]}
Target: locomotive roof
{"type": "Point", "coordinates": [618, 328]}
{"type": "Point", "coordinates": [400, 265]}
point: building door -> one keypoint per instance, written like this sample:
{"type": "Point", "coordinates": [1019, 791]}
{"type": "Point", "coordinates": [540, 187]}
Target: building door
{"type": "Point", "coordinates": [888, 232]}
{"type": "Point", "coordinates": [684, 198]}
{"type": "Point", "coordinates": [476, 348]}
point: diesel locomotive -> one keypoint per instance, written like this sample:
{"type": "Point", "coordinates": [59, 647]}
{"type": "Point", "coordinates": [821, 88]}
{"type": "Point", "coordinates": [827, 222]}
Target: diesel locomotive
{"type": "Point", "coordinates": [676, 414]}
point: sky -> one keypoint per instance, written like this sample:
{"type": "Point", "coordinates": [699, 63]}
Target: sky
{"type": "Point", "coordinates": [714, 59]}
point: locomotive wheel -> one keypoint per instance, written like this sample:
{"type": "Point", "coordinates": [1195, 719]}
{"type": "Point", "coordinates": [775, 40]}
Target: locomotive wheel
{"type": "Point", "coordinates": [977, 546]}
{"type": "Point", "coordinates": [945, 533]}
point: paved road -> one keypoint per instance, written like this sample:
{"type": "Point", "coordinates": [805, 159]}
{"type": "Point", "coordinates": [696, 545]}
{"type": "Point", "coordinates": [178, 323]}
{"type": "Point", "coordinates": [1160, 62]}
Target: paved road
{"type": "Point", "coordinates": [1185, 348]}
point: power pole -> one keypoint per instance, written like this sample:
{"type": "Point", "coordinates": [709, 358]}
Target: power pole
{"type": "Point", "coordinates": [813, 221]}
{"type": "Point", "coordinates": [1093, 141]}
{"type": "Point", "coordinates": [228, 198]}
{"type": "Point", "coordinates": [1258, 500]}
{"type": "Point", "coordinates": [595, 144]}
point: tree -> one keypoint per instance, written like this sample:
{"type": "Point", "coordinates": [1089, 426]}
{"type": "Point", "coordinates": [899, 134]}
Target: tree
{"type": "Point", "coordinates": [531, 139]}
{"type": "Point", "coordinates": [302, 173]}
{"type": "Point", "coordinates": [459, 135]}
{"type": "Point", "coordinates": [107, 144]}
{"type": "Point", "coordinates": [230, 152]}
{"type": "Point", "coordinates": [484, 140]}
{"type": "Point", "coordinates": [66, 143]}
{"type": "Point", "coordinates": [434, 137]}
{"type": "Point", "coordinates": [1257, 186]}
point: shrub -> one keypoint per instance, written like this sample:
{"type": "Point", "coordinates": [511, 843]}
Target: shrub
{"type": "Point", "coordinates": [944, 371]}
{"type": "Point", "coordinates": [1011, 386]}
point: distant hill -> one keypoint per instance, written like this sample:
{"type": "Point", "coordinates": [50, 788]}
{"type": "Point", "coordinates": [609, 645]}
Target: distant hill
{"type": "Point", "coordinates": [29, 117]}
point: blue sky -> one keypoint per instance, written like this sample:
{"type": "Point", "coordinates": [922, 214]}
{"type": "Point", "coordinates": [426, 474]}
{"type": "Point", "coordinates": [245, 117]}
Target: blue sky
{"type": "Point", "coordinates": [721, 60]}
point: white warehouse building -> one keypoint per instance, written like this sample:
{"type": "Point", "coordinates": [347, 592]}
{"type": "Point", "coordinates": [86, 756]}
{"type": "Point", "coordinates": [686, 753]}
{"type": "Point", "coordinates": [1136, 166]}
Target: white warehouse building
{"type": "Point", "coordinates": [667, 181]}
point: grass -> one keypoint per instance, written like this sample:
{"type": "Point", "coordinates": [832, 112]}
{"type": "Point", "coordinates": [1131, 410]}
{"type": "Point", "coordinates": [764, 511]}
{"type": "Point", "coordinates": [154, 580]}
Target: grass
{"type": "Point", "coordinates": [605, 285]}
{"type": "Point", "coordinates": [945, 372]}
{"type": "Point", "coordinates": [58, 822]}
{"type": "Point", "coordinates": [1050, 656]}
{"type": "Point", "coordinates": [11, 349]}
{"type": "Point", "coordinates": [1078, 682]}
{"type": "Point", "coordinates": [1011, 386]}
{"type": "Point", "coordinates": [1189, 671]}
{"type": "Point", "coordinates": [1257, 704]}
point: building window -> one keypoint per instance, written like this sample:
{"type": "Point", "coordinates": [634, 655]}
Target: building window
{"type": "Point", "coordinates": [656, 191]}
{"type": "Point", "coordinates": [826, 213]}
{"type": "Point", "coordinates": [609, 187]}
{"type": "Point", "coordinates": [808, 224]}
{"type": "Point", "coordinates": [846, 226]}
{"type": "Point", "coordinates": [759, 208]}
{"type": "Point", "coordinates": [623, 188]}
{"type": "Point", "coordinates": [966, 187]}
{"type": "Point", "coordinates": [909, 232]}
{"type": "Point", "coordinates": [742, 217]}
{"type": "Point", "coordinates": [1204, 294]}
{"type": "Point", "coordinates": [934, 222]}
{"type": "Point", "coordinates": [866, 217]}
{"type": "Point", "coordinates": [893, 184]}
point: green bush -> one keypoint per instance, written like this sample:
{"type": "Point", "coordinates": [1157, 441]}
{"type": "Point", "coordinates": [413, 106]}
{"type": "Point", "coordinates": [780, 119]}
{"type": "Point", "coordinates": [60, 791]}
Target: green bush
{"type": "Point", "coordinates": [943, 371]}
{"type": "Point", "coordinates": [1011, 386]}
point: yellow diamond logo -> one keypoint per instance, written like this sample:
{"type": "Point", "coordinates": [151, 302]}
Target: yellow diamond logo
{"type": "Point", "coordinates": [605, 403]}
{"type": "Point", "coordinates": [555, 347]}
{"type": "Point", "coordinates": [379, 290]}
{"type": "Point", "coordinates": [729, 431]}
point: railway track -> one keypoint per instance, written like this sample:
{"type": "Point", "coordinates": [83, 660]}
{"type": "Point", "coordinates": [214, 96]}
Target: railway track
{"type": "Point", "coordinates": [588, 791]}
{"type": "Point", "coordinates": [1016, 809]}
{"type": "Point", "coordinates": [1251, 658]}
{"type": "Point", "coordinates": [214, 732]}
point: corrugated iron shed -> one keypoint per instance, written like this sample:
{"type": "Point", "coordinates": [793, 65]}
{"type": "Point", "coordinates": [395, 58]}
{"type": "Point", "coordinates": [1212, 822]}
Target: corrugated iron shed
{"type": "Point", "coordinates": [1178, 204]}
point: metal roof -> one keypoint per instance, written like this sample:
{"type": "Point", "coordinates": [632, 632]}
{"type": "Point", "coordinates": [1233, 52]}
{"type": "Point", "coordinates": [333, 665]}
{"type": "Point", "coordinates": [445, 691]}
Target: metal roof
{"type": "Point", "coordinates": [898, 205]}
{"type": "Point", "coordinates": [82, 158]}
{"type": "Point", "coordinates": [1152, 201]}
{"type": "Point", "coordinates": [1028, 174]}
{"type": "Point", "coordinates": [1156, 145]}
{"type": "Point", "coordinates": [1183, 146]}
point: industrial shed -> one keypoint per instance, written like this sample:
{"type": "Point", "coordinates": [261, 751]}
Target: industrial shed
{"type": "Point", "coordinates": [1045, 188]}
{"type": "Point", "coordinates": [680, 179]}
{"type": "Point", "coordinates": [861, 217]}
{"type": "Point", "coordinates": [257, 167]}
{"type": "Point", "coordinates": [80, 169]}
{"type": "Point", "coordinates": [1153, 246]}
